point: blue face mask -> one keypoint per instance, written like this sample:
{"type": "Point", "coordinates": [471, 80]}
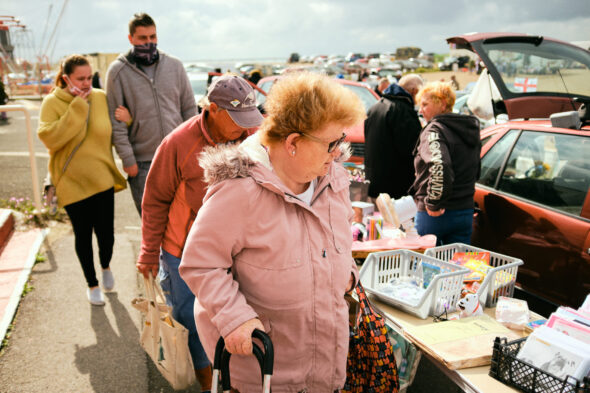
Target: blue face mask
{"type": "Point", "coordinates": [146, 54]}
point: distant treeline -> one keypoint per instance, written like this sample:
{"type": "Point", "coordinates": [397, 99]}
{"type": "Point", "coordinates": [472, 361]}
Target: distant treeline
{"type": "Point", "coordinates": [407, 52]}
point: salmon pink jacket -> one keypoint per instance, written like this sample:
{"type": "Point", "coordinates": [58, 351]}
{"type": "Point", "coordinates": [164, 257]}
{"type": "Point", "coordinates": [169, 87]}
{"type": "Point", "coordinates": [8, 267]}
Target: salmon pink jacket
{"type": "Point", "coordinates": [256, 251]}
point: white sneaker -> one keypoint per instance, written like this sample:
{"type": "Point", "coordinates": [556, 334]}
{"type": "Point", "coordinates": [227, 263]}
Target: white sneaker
{"type": "Point", "coordinates": [108, 280]}
{"type": "Point", "coordinates": [95, 296]}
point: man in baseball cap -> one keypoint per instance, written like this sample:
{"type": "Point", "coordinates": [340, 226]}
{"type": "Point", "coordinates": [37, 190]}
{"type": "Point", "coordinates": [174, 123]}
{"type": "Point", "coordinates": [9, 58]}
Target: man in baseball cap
{"type": "Point", "coordinates": [236, 96]}
{"type": "Point", "coordinates": [174, 193]}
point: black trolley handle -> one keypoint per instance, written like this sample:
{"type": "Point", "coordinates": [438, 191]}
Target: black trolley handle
{"type": "Point", "coordinates": [265, 360]}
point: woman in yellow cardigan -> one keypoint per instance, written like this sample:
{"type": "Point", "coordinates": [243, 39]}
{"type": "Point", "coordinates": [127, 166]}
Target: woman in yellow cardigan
{"type": "Point", "coordinates": [75, 127]}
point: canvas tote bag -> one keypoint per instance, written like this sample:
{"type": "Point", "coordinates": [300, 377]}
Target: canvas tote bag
{"type": "Point", "coordinates": [164, 339]}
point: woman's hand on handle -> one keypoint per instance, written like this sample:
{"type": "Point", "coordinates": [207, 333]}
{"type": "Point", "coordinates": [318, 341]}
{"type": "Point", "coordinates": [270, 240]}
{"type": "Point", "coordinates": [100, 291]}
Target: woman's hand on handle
{"type": "Point", "coordinates": [239, 341]}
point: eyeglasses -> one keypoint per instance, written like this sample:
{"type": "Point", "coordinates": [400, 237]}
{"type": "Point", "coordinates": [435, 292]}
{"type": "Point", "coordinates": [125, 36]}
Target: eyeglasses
{"type": "Point", "coordinates": [331, 145]}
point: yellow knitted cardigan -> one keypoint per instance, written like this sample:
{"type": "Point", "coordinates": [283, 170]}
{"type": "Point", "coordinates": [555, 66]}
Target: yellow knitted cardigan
{"type": "Point", "coordinates": [66, 120]}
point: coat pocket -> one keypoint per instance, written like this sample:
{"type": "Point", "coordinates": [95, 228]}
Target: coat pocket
{"type": "Point", "coordinates": [278, 286]}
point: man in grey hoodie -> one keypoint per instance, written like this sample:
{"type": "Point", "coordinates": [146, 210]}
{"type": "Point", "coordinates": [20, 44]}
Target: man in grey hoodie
{"type": "Point", "coordinates": [155, 89]}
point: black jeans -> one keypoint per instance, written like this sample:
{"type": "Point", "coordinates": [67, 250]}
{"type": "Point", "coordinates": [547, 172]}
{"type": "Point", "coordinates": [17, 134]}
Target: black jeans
{"type": "Point", "coordinates": [95, 213]}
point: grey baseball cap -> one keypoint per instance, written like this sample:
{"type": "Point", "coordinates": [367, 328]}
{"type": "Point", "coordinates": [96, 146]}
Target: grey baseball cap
{"type": "Point", "coordinates": [234, 94]}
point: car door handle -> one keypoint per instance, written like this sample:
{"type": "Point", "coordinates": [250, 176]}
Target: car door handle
{"type": "Point", "coordinates": [476, 209]}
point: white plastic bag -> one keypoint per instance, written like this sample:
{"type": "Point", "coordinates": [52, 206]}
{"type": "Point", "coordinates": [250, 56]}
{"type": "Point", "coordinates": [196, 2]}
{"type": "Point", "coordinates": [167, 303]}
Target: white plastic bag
{"type": "Point", "coordinates": [480, 99]}
{"type": "Point", "coordinates": [512, 313]}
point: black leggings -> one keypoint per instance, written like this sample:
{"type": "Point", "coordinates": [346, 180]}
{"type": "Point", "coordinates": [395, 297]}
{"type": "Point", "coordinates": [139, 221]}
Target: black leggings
{"type": "Point", "coordinates": [94, 213]}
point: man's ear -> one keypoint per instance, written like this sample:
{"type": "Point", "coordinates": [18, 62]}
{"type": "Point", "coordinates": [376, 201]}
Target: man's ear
{"type": "Point", "coordinates": [213, 107]}
{"type": "Point", "coordinates": [129, 37]}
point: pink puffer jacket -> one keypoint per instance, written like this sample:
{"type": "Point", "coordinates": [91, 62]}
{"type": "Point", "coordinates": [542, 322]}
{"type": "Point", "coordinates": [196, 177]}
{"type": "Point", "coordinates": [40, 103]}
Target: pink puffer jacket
{"type": "Point", "coordinates": [256, 251]}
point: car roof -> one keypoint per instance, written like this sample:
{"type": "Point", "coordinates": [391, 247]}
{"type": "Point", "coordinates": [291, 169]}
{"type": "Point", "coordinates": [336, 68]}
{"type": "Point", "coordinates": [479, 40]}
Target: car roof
{"type": "Point", "coordinates": [339, 80]}
{"type": "Point", "coordinates": [533, 125]}
{"type": "Point", "coordinates": [353, 85]}
{"type": "Point", "coordinates": [554, 71]}
{"type": "Point", "coordinates": [198, 75]}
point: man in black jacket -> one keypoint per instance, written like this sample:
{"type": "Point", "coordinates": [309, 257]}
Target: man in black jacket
{"type": "Point", "coordinates": [391, 132]}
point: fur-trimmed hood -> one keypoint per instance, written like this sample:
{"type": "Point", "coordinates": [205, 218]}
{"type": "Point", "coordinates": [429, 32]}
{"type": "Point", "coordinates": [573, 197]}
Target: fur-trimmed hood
{"type": "Point", "coordinates": [230, 161]}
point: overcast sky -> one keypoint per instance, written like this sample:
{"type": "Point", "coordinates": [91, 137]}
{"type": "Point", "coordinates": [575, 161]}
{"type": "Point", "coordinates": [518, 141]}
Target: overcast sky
{"type": "Point", "coordinates": [256, 29]}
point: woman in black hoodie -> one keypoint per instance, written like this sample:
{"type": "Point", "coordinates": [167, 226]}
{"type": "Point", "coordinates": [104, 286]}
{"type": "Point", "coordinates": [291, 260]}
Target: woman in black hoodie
{"type": "Point", "coordinates": [447, 166]}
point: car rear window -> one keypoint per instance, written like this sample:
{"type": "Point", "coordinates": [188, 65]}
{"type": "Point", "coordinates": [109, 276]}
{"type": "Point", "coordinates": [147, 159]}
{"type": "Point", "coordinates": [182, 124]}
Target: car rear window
{"type": "Point", "coordinates": [543, 68]}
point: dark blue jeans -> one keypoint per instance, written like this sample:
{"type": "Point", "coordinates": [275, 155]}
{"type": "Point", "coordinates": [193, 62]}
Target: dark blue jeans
{"type": "Point", "coordinates": [454, 226]}
{"type": "Point", "coordinates": [137, 183]}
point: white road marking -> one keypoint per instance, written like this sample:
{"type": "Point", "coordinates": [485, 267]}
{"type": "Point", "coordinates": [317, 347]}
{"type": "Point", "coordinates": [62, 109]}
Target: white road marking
{"type": "Point", "coordinates": [37, 154]}
{"type": "Point", "coordinates": [22, 154]}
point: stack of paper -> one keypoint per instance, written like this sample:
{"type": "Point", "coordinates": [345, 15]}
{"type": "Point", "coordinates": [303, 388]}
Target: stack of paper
{"type": "Point", "coordinates": [556, 353]}
{"type": "Point", "coordinates": [571, 324]}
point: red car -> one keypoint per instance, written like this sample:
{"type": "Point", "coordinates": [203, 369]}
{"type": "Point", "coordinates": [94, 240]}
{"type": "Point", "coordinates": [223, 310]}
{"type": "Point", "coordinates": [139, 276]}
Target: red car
{"type": "Point", "coordinates": [355, 135]}
{"type": "Point", "coordinates": [532, 197]}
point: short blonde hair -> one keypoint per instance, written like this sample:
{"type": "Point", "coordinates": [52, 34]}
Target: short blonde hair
{"type": "Point", "coordinates": [439, 92]}
{"type": "Point", "coordinates": [306, 102]}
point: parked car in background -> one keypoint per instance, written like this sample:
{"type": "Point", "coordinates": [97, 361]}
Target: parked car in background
{"type": "Point", "coordinates": [465, 90]}
{"type": "Point", "coordinates": [447, 63]}
{"type": "Point", "coordinates": [198, 67]}
{"type": "Point", "coordinates": [407, 65]}
{"type": "Point", "coordinates": [198, 81]}
{"type": "Point", "coordinates": [422, 62]}
{"type": "Point", "coordinates": [393, 71]}
{"type": "Point", "coordinates": [532, 198]}
{"type": "Point", "coordinates": [462, 108]}
{"type": "Point", "coordinates": [354, 135]}
{"type": "Point", "coordinates": [350, 57]}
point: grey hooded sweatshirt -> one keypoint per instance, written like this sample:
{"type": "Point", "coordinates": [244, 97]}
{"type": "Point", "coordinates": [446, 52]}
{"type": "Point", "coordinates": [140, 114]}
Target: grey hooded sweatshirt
{"type": "Point", "coordinates": [447, 163]}
{"type": "Point", "coordinates": [157, 106]}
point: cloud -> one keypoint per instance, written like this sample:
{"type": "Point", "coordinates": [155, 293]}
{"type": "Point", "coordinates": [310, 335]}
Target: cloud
{"type": "Point", "coordinates": [233, 29]}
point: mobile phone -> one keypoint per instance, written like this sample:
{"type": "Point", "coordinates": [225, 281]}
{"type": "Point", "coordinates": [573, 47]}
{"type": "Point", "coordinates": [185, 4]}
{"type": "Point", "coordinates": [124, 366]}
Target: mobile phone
{"type": "Point", "coordinates": [73, 89]}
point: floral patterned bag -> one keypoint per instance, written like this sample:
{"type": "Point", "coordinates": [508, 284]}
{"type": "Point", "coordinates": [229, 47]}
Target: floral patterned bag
{"type": "Point", "coordinates": [371, 366]}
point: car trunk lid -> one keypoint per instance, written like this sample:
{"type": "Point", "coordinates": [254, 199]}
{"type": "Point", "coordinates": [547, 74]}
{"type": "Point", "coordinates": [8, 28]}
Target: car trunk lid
{"type": "Point", "coordinates": [535, 75]}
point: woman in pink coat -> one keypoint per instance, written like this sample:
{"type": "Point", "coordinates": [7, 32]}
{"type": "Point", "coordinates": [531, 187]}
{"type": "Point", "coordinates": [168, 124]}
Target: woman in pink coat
{"type": "Point", "coordinates": [271, 246]}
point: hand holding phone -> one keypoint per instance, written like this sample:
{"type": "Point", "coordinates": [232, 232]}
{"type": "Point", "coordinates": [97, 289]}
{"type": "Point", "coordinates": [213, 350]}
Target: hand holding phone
{"type": "Point", "coordinates": [75, 91]}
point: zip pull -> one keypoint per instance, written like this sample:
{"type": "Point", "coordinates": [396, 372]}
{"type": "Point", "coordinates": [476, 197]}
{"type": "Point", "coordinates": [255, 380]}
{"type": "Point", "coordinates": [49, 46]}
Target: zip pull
{"type": "Point", "coordinates": [324, 252]}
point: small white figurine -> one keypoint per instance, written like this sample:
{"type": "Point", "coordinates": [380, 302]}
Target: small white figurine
{"type": "Point", "coordinates": [469, 306]}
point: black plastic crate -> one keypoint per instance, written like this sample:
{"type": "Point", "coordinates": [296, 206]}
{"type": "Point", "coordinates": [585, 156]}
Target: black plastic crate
{"type": "Point", "coordinates": [525, 377]}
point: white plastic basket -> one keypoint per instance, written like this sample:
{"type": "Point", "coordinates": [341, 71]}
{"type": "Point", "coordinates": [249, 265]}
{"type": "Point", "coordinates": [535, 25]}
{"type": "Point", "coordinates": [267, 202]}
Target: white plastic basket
{"type": "Point", "coordinates": [500, 279]}
{"type": "Point", "coordinates": [443, 291]}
